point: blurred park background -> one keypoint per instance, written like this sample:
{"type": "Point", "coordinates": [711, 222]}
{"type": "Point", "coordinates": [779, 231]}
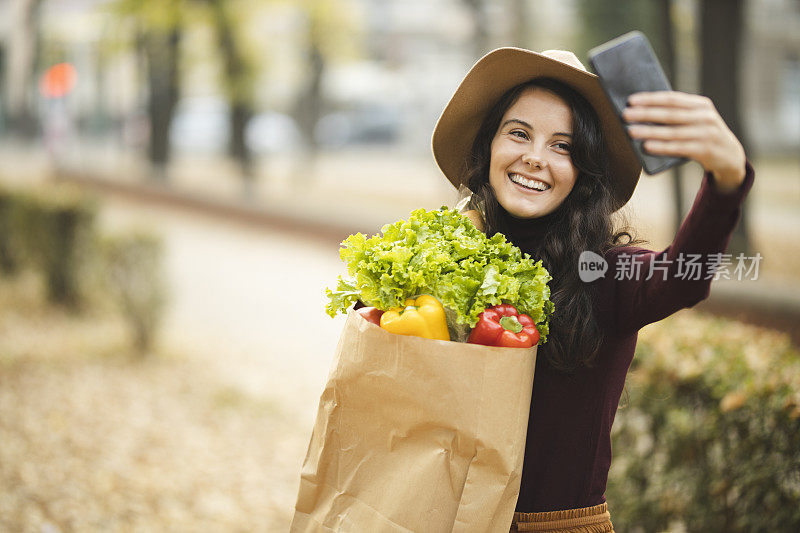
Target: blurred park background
{"type": "Point", "coordinates": [176, 175]}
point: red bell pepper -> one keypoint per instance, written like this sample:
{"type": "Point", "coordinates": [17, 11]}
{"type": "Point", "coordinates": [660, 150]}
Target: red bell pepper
{"type": "Point", "coordinates": [503, 325]}
{"type": "Point", "coordinates": [371, 314]}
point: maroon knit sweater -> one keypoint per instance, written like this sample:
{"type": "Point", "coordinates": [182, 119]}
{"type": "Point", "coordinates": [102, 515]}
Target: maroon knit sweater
{"type": "Point", "coordinates": [568, 447]}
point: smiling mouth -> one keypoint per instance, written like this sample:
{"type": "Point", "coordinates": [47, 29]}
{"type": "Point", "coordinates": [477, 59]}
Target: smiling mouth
{"type": "Point", "coordinates": [530, 184]}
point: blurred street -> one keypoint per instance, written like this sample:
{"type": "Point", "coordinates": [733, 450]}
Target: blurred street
{"type": "Point", "coordinates": [249, 302]}
{"type": "Point", "coordinates": [339, 193]}
{"type": "Point", "coordinates": [248, 305]}
{"type": "Point", "coordinates": [249, 139]}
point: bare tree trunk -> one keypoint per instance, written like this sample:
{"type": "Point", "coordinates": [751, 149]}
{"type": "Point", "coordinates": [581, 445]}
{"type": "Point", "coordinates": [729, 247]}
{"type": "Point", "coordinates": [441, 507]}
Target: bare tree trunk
{"type": "Point", "coordinates": [23, 51]}
{"type": "Point", "coordinates": [240, 116]}
{"type": "Point", "coordinates": [480, 37]}
{"type": "Point", "coordinates": [162, 50]}
{"type": "Point", "coordinates": [308, 108]}
{"type": "Point", "coordinates": [241, 107]}
{"type": "Point", "coordinates": [722, 29]}
{"type": "Point", "coordinates": [520, 29]}
{"type": "Point", "coordinates": [670, 67]}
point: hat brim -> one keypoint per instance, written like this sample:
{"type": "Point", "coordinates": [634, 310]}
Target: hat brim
{"type": "Point", "coordinates": [499, 71]}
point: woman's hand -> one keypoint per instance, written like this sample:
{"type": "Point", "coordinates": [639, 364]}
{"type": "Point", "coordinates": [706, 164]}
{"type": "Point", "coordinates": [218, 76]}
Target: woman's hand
{"type": "Point", "coordinates": [687, 125]}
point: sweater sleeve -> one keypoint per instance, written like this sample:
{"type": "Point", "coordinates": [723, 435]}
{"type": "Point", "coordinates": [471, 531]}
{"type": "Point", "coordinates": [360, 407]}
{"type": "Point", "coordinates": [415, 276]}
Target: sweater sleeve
{"type": "Point", "coordinates": [652, 285]}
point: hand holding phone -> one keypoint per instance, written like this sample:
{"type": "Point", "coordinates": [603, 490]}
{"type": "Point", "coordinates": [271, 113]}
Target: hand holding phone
{"type": "Point", "coordinates": [628, 65]}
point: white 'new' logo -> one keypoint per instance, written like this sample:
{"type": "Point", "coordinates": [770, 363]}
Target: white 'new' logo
{"type": "Point", "coordinates": [591, 266]}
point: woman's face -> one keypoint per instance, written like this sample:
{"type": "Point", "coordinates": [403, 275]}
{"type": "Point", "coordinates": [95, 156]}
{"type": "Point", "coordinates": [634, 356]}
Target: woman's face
{"type": "Point", "coordinates": [531, 170]}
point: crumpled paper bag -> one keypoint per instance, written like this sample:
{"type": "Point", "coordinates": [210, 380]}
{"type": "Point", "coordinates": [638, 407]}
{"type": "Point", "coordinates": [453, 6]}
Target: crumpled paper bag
{"type": "Point", "coordinates": [417, 435]}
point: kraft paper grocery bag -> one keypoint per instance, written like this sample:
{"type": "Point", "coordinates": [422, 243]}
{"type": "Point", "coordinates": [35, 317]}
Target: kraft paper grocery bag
{"type": "Point", "coordinates": [417, 435]}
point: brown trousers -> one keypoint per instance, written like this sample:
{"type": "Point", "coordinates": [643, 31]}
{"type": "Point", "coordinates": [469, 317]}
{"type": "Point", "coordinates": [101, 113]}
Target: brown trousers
{"type": "Point", "coordinates": [585, 520]}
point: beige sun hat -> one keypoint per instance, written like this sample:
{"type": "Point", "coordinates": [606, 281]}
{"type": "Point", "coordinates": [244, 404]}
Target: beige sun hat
{"type": "Point", "coordinates": [504, 68]}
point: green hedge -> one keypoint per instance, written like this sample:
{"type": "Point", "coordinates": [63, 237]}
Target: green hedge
{"type": "Point", "coordinates": [707, 437]}
{"type": "Point", "coordinates": [53, 231]}
{"type": "Point", "coordinates": [9, 258]}
{"type": "Point", "coordinates": [50, 230]}
{"type": "Point", "coordinates": [134, 277]}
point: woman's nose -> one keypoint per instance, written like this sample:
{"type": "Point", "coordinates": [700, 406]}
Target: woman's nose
{"type": "Point", "coordinates": [533, 160]}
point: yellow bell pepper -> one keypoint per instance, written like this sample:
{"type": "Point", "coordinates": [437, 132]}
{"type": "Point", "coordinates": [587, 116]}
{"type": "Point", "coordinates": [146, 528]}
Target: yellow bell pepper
{"type": "Point", "coordinates": [423, 317]}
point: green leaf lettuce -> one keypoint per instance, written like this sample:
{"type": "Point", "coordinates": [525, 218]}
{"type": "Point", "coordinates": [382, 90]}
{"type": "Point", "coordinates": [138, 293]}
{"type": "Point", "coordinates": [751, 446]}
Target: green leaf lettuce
{"type": "Point", "coordinates": [443, 254]}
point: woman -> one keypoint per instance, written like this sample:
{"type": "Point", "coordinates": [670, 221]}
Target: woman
{"type": "Point", "coordinates": [535, 139]}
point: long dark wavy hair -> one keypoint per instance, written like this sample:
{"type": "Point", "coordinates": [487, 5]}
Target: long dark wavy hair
{"type": "Point", "coordinates": [582, 222]}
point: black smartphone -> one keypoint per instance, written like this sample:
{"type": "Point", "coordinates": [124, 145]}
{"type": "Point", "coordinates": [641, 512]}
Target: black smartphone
{"type": "Point", "coordinates": [628, 65]}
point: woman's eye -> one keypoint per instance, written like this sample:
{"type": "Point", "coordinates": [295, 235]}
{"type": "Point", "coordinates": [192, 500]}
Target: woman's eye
{"type": "Point", "coordinates": [519, 133]}
{"type": "Point", "coordinates": [563, 146]}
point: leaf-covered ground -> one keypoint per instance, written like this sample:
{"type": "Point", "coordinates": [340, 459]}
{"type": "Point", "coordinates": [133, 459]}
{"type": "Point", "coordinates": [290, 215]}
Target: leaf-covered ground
{"type": "Point", "coordinates": [93, 438]}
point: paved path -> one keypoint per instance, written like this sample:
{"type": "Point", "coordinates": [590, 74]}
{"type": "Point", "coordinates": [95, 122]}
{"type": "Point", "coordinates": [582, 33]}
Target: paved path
{"type": "Point", "coordinates": [248, 301]}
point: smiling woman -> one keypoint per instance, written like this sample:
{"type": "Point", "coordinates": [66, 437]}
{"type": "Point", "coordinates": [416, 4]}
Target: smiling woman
{"type": "Point", "coordinates": [534, 138]}
{"type": "Point", "coordinates": [537, 156]}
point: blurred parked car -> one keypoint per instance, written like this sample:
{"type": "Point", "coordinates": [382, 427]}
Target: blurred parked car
{"type": "Point", "coordinates": [270, 132]}
{"type": "Point", "coordinates": [203, 125]}
{"type": "Point", "coordinates": [200, 124]}
{"type": "Point", "coordinates": [373, 123]}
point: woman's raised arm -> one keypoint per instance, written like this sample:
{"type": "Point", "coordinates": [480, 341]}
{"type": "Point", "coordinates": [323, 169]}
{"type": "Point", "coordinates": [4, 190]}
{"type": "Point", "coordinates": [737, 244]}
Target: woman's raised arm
{"type": "Point", "coordinates": [653, 285]}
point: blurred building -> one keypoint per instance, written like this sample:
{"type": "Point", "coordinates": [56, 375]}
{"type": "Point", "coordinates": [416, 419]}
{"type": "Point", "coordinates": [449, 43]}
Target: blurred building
{"type": "Point", "coordinates": [402, 61]}
{"type": "Point", "coordinates": [772, 75]}
{"type": "Point", "coordinates": [419, 50]}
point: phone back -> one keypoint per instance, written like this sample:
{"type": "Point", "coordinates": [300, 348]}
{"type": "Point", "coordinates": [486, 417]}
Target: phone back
{"type": "Point", "coordinates": [628, 65]}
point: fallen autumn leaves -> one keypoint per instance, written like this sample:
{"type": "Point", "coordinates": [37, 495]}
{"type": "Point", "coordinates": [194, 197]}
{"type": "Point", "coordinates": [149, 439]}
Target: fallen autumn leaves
{"type": "Point", "coordinates": [94, 439]}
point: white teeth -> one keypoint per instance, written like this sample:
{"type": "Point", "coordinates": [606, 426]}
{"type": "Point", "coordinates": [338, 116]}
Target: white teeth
{"type": "Point", "coordinates": [531, 184]}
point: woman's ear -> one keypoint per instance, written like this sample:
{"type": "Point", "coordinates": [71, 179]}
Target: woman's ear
{"type": "Point", "coordinates": [475, 217]}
